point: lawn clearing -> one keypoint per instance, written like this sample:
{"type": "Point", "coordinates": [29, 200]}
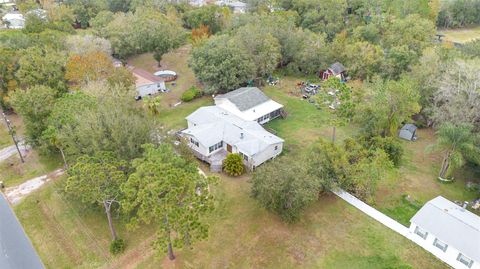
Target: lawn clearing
{"type": "Point", "coordinates": [14, 172]}
{"type": "Point", "coordinates": [177, 61]}
{"type": "Point", "coordinates": [461, 35]}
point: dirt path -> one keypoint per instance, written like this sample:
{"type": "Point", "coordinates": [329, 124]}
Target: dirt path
{"type": "Point", "coordinates": [9, 151]}
{"type": "Point", "coordinates": [15, 194]}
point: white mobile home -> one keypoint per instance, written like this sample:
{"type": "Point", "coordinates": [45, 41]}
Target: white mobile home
{"type": "Point", "coordinates": [452, 229]}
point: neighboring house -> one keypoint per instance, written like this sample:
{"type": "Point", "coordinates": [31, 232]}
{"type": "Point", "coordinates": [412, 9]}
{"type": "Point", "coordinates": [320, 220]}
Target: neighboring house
{"type": "Point", "coordinates": [235, 6]}
{"type": "Point", "coordinates": [14, 20]}
{"type": "Point", "coordinates": [408, 132]}
{"type": "Point", "coordinates": [213, 132]}
{"type": "Point", "coordinates": [250, 104]}
{"type": "Point", "coordinates": [147, 84]}
{"type": "Point", "coordinates": [336, 70]}
{"type": "Point", "coordinates": [454, 230]}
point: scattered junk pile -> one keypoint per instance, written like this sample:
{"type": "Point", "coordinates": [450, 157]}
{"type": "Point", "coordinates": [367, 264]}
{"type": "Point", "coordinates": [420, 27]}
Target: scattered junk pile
{"type": "Point", "coordinates": [272, 81]}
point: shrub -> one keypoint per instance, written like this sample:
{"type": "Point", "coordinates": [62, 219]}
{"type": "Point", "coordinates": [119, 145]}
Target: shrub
{"type": "Point", "coordinates": [233, 164]}
{"type": "Point", "coordinates": [391, 146]}
{"type": "Point", "coordinates": [190, 94]}
{"type": "Point", "coordinates": [117, 246]}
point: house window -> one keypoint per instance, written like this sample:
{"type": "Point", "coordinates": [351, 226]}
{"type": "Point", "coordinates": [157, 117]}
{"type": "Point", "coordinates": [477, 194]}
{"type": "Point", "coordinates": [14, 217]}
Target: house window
{"type": "Point", "coordinates": [275, 113]}
{"type": "Point", "coordinates": [262, 118]}
{"type": "Point", "coordinates": [245, 157]}
{"type": "Point", "coordinates": [215, 147]}
{"type": "Point", "coordinates": [193, 142]}
{"type": "Point", "coordinates": [420, 232]}
{"type": "Point", "coordinates": [463, 259]}
{"type": "Point", "coordinates": [439, 244]}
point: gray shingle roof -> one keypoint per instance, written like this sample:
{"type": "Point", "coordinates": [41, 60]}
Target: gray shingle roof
{"type": "Point", "coordinates": [214, 124]}
{"type": "Point", "coordinates": [246, 98]}
{"type": "Point", "coordinates": [410, 127]}
{"type": "Point", "coordinates": [450, 223]}
{"type": "Point", "coordinates": [337, 68]}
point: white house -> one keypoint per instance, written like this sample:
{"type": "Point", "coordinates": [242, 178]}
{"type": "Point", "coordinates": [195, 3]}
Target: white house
{"type": "Point", "coordinates": [250, 104]}
{"type": "Point", "coordinates": [147, 84]}
{"type": "Point", "coordinates": [213, 132]}
{"type": "Point", "coordinates": [452, 229]}
{"type": "Point", "coordinates": [236, 6]}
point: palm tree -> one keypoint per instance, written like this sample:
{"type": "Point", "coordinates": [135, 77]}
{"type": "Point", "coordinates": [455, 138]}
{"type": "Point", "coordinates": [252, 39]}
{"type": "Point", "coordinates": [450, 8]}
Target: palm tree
{"type": "Point", "coordinates": [456, 142]}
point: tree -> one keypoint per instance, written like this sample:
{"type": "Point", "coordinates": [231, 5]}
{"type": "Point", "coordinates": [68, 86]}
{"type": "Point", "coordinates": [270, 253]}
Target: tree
{"type": "Point", "coordinates": [388, 104]}
{"type": "Point", "coordinates": [200, 34]}
{"type": "Point", "coordinates": [261, 46]}
{"type": "Point", "coordinates": [233, 164]}
{"type": "Point", "coordinates": [86, 44]}
{"type": "Point", "coordinates": [365, 174]}
{"type": "Point", "coordinates": [8, 81]}
{"type": "Point", "coordinates": [81, 69]}
{"type": "Point", "coordinates": [337, 95]}
{"type": "Point", "coordinates": [144, 31]}
{"type": "Point", "coordinates": [456, 142]}
{"type": "Point", "coordinates": [38, 66]}
{"type": "Point", "coordinates": [457, 98]}
{"type": "Point", "coordinates": [285, 187]}
{"type": "Point", "coordinates": [96, 180]}
{"type": "Point", "coordinates": [221, 64]}
{"type": "Point", "coordinates": [170, 192]}
{"type": "Point", "coordinates": [64, 113]}
{"type": "Point", "coordinates": [212, 16]}
{"type": "Point", "coordinates": [34, 105]}
{"type": "Point", "coordinates": [363, 59]}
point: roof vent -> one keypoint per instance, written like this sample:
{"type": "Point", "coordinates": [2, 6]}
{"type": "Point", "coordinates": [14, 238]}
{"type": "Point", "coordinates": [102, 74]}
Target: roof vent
{"type": "Point", "coordinates": [241, 135]}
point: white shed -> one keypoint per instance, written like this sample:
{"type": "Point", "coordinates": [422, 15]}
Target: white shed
{"type": "Point", "coordinates": [408, 132]}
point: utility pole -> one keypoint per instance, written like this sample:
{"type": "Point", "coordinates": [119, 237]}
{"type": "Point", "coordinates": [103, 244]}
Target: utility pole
{"type": "Point", "coordinates": [11, 131]}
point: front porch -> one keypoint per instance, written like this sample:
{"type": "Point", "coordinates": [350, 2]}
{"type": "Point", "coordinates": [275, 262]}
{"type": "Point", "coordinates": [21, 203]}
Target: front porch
{"type": "Point", "coordinates": [215, 160]}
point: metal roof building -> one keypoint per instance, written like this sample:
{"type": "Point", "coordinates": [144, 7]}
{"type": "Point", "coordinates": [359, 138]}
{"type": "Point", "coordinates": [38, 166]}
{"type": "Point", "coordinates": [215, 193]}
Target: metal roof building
{"type": "Point", "coordinates": [451, 228]}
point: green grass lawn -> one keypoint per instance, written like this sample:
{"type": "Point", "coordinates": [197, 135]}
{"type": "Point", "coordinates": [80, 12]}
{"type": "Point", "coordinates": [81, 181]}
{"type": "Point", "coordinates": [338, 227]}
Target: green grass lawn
{"type": "Point", "coordinates": [5, 139]}
{"type": "Point", "coordinates": [331, 234]}
{"type": "Point", "coordinates": [461, 35]}
{"type": "Point", "coordinates": [14, 172]}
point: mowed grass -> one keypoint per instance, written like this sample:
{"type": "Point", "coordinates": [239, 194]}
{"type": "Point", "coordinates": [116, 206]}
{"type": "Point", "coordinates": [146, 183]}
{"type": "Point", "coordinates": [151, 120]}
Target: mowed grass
{"type": "Point", "coordinates": [304, 123]}
{"type": "Point", "coordinates": [331, 234]}
{"type": "Point", "coordinates": [13, 172]}
{"type": "Point", "coordinates": [5, 139]}
{"type": "Point", "coordinates": [417, 179]}
{"type": "Point", "coordinates": [177, 61]}
{"type": "Point", "coordinates": [461, 35]}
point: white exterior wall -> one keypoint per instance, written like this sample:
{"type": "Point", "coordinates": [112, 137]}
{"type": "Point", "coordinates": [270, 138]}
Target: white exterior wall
{"type": "Point", "coordinates": [251, 114]}
{"type": "Point", "coordinates": [268, 153]}
{"type": "Point", "coordinates": [451, 253]}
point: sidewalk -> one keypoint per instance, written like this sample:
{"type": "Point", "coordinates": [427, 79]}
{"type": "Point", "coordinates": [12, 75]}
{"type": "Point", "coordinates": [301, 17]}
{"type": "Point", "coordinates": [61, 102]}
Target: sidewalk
{"type": "Point", "coordinates": [394, 225]}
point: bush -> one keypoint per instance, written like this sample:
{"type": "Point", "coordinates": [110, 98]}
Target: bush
{"type": "Point", "coordinates": [233, 164]}
{"type": "Point", "coordinates": [117, 246]}
{"type": "Point", "coordinates": [190, 94]}
{"type": "Point", "coordinates": [391, 146]}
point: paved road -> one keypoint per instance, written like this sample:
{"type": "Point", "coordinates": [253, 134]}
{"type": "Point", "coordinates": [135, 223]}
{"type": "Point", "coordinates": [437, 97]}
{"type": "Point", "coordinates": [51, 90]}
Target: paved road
{"type": "Point", "coordinates": [16, 250]}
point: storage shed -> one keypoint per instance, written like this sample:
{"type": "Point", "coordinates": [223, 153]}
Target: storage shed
{"type": "Point", "coordinates": [337, 70]}
{"type": "Point", "coordinates": [408, 132]}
